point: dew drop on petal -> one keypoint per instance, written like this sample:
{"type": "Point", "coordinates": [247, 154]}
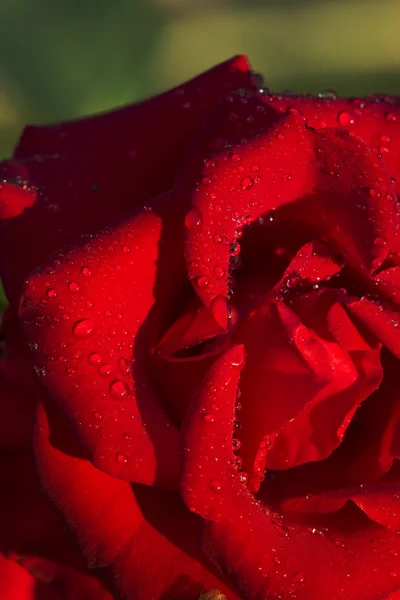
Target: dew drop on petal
{"type": "Point", "coordinates": [73, 286]}
{"type": "Point", "coordinates": [208, 418]}
{"type": "Point", "coordinates": [51, 293]}
{"type": "Point", "coordinates": [345, 119]}
{"type": "Point", "coordinates": [202, 281]}
{"type": "Point", "coordinates": [105, 370]}
{"type": "Point", "coordinates": [124, 366]}
{"type": "Point", "coordinates": [121, 459]}
{"type": "Point", "coordinates": [219, 272]}
{"type": "Point", "coordinates": [126, 249]}
{"type": "Point", "coordinates": [247, 182]}
{"type": "Point", "coordinates": [83, 328]}
{"type": "Point", "coordinates": [97, 415]}
{"type": "Point", "coordinates": [215, 486]}
{"type": "Point", "coordinates": [380, 241]}
{"type": "Point", "coordinates": [86, 272]}
{"type": "Point", "coordinates": [374, 193]}
{"type": "Point", "coordinates": [193, 220]}
{"type": "Point", "coordinates": [118, 389]}
{"type": "Point", "coordinates": [95, 358]}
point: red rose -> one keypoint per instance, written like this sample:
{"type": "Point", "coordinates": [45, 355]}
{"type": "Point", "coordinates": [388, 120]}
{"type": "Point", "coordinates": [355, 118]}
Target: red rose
{"type": "Point", "coordinates": [217, 240]}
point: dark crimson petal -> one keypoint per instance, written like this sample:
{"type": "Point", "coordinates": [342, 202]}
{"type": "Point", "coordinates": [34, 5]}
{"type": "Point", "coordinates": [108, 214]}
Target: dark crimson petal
{"type": "Point", "coordinates": [57, 582]}
{"type": "Point", "coordinates": [378, 422]}
{"type": "Point", "coordinates": [239, 115]}
{"type": "Point", "coordinates": [171, 116]}
{"type": "Point", "coordinates": [145, 539]}
{"type": "Point", "coordinates": [194, 325]}
{"type": "Point", "coordinates": [316, 431]}
{"type": "Point", "coordinates": [381, 502]}
{"type": "Point", "coordinates": [16, 583]}
{"type": "Point", "coordinates": [18, 386]}
{"type": "Point", "coordinates": [381, 319]}
{"type": "Point", "coordinates": [88, 315]}
{"type": "Point", "coordinates": [89, 171]}
{"type": "Point", "coordinates": [262, 553]}
{"type": "Point", "coordinates": [346, 196]}
{"type": "Point", "coordinates": [388, 284]}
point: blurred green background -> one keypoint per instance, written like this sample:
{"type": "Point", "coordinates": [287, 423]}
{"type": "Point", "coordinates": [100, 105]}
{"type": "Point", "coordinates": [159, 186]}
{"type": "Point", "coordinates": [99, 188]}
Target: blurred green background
{"type": "Point", "coordinates": [64, 58]}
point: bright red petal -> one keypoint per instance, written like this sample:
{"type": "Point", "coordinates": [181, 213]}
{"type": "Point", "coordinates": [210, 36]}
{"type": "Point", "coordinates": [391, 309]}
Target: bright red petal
{"type": "Point", "coordinates": [260, 551]}
{"type": "Point", "coordinates": [146, 540]}
{"type": "Point", "coordinates": [90, 316]}
{"type": "Point", "coordinates": [342, 189]}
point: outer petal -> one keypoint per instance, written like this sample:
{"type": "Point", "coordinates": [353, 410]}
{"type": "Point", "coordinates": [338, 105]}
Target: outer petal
{"type": "Point", "coordinates": [145, 539]}
{"type": "Point", "coordinates": [90, 316]}
{"type": "Point", "coordinates": [89, 171]}
{"type": "Point", "coordinates": [262, 553]}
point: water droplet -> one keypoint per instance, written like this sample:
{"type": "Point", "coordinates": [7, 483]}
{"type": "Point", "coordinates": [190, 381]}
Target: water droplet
{"type": "Point", "coordinates": [62, 358]}
{"type": "Point", "coordinates": [202, 281]}
{"type": "Point", "coordinates": [217, 238]}
{"type": "Point", "coordinates": [51, 293]}
{"type": "Point", "coordinates": [125, 366]}
{"type": "Point", "coordinates": [328, 94]}
{"type": "Point", "coordinates": [208, 418]}
{"type": "Point", "coordinates": [374, 193]}
{"type": "Point", "coordinates": [193, 220]}
{"type": "Point", "coordinates": [95, 358]}
{"type": "Point", "coordinates": [121, 459]}
{"type": "Point", "coordinates": [219, 310]}
{"type": "Point", "coordinates": [41, 371]}
{"type": "Point", "coordinates": [236, 444]}
{"type": "Point", "coordinates": [380, 241]}
{"type": "Point", "coordinates": [393, 574]}
{"type": "Point", "coordinates": [247, 182]}
{"type": "Point", "coordinates": [298, 577]}
{"type": "Point", "coordinates": [235, 157]}
{"type": "Point", "coordinates": [97, 414]}
{"type": "Point", "coordinates": [83, 328]}
{"type": "Point", "coordinates": [215, 486]}
{"type": "Point", "coordinates": [286, 177]}
{"type": "Point", "coordinates": [390, 116]}
{"type": "Point", "coordinates": [70, 371]}
{"type": "Point", "coordinates": [86, 272]}
{"type": "Point", "coordinates": [219, 272]}
{"type": "Point", "coordinates": [255, 168]}
{"type": "Point", "coordinates": [345, 119]}
{"type": "Point", "coordinates": [126, 249]}
{"type": "Point", "coordinates": [243, 478]}
{"type": "Point", "coordinates": [73, 286]}
{"type": "Point", "coordinates": [118, 389]}
{"type": "Point", "coordinates": [105, 370]}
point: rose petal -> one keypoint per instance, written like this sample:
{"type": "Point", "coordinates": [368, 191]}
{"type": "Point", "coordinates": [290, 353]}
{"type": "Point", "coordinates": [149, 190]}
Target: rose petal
{"type": "Point", "coordinates": [92, 170]}
{"type": "Point", "coordinates": [284, 163]}
{"type": "Point", "coordinates": [261, 552]}
{"type": "Point", "coordinates": [144, 538]}
{"type": "Point", "coordinates": [381, 502]}
{"type": "Point", "coordinates": [88, 315]}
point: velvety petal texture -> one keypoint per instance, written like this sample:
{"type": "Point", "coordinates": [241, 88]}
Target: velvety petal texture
{"type": "Point", "coordinates": [199, 362]}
